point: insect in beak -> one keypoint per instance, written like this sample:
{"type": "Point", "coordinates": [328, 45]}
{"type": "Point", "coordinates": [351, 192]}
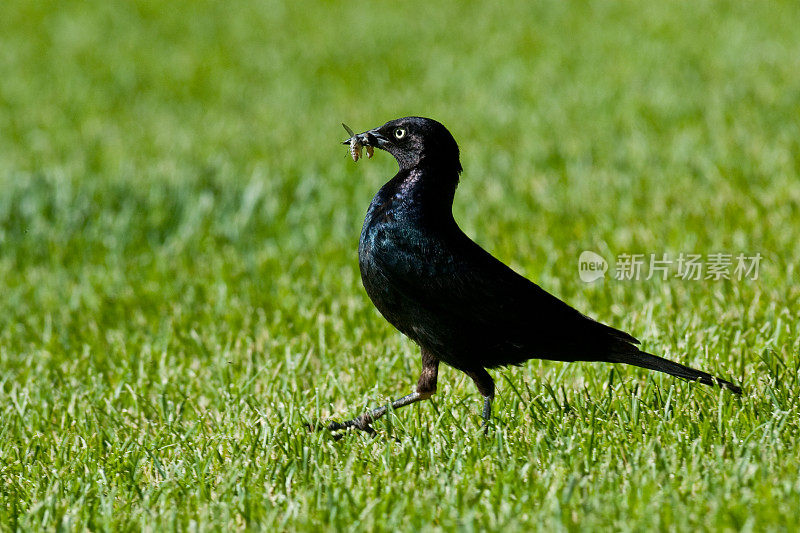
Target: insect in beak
{"type": "Point", "coordinates": [356, 145]}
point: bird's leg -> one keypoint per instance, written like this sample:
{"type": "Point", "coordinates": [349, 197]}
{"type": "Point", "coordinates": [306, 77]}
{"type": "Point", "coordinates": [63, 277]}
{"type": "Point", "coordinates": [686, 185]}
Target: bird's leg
{"type": "Point", "coordinates": [485, 385]}
{"type": "Point", "coordinates": [426, 387]}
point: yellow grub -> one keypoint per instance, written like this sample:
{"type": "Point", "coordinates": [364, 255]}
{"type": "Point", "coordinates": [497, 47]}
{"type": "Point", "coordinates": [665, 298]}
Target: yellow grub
{"type": "Point", "coordinates": [355, 149]}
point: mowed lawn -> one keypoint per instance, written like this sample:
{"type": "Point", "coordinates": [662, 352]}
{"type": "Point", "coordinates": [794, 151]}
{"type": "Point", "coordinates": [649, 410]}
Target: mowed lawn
{"type": "Point", "coordinates": [179, 286]}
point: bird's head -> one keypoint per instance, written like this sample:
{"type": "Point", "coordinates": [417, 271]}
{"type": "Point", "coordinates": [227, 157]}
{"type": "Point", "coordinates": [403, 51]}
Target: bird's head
{"type": "Point", "coordinates": [413, 141]}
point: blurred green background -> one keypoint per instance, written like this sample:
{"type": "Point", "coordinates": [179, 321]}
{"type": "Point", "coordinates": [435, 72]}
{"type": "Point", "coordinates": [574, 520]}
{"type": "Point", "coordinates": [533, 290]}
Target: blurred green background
{"type": "Point", "coordinates": [179, 289]}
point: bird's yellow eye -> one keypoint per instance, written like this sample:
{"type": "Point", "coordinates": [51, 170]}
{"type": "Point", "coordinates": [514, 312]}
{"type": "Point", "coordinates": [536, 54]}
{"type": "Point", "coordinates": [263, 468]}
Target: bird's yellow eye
{"type": "Point", "coordinates": [399, 133]}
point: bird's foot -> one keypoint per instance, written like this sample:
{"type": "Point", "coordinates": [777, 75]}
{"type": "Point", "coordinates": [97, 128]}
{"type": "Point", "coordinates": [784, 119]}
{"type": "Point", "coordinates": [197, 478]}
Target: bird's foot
{"type": "Point", "coordinates": [364, 420]}
{"type": "Point", "coordinates": [339, 429]}
{"type": "Point", "coordinates": [487, 414]}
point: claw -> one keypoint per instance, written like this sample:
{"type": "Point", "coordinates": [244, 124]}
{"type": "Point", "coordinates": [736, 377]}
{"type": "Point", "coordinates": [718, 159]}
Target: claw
{"type": "Point", "coordinates": [361, 423]}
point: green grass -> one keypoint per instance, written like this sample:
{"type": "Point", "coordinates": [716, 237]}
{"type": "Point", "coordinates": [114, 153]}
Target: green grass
{"type": "Point", "coordinates": [179, 289]}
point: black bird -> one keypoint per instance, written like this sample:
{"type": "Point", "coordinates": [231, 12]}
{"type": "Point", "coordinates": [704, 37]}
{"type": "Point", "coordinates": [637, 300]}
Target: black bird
{"type": "Point", "coordinates": [462, 306]}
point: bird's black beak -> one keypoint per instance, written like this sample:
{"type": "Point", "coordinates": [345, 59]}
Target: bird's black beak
{"type": "Point", "coordinates": [368, 138]}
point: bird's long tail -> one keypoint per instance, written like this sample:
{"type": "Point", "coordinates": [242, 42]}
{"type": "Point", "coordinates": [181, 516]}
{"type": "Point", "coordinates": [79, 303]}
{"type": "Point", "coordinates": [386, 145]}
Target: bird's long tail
{"type": "Point", "coordinates": [653, 362]}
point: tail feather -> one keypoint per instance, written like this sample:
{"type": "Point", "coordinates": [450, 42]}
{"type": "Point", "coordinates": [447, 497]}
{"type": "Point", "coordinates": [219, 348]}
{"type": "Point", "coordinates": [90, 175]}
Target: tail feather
{"type": "Point", "coordinates": [653, 362]}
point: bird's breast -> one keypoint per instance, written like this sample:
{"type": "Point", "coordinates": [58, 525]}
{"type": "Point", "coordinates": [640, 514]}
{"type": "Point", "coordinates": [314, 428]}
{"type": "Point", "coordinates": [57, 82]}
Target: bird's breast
{"type": "Point", "coordinates": [392, 258]}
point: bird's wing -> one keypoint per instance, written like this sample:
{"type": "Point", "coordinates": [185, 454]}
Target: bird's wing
{"type": "Point", "coordinates": [457, 279]}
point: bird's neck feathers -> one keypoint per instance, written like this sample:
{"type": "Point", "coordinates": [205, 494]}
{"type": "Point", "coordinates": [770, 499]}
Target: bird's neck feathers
{"type": "Point", "coordinates": [427, 189]}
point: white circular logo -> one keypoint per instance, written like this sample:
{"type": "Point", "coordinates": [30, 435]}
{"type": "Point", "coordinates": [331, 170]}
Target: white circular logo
{"type": "Point", "coordinates": [591, 266]}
